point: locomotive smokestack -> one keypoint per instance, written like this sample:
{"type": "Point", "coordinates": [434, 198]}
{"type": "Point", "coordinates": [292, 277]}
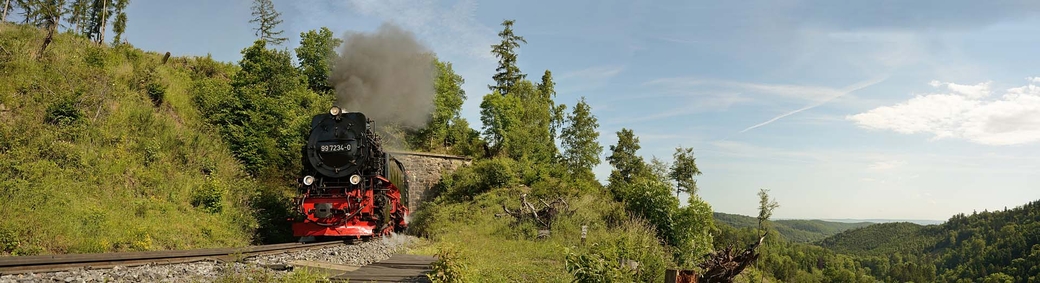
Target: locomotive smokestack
{"type": "Point", "coordinates": [388, 75]}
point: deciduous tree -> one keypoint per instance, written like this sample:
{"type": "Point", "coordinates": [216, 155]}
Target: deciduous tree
{"type": "Point", "coordinates": [315, 54]}
{"type": "Point", "coordinates": [765, 210]}
{"type": "Point", "coordinates": [442, 132]}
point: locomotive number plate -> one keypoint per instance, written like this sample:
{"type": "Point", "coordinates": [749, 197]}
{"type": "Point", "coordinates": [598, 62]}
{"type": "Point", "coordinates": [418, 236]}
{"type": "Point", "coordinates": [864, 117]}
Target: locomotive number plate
{"type": "Point", "coordinates": [335, 147]}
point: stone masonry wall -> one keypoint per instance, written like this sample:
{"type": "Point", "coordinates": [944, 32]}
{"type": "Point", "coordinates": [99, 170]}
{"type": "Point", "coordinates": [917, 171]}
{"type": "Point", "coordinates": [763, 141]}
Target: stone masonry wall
{"type": "Point", "coordinates": [424, 171]}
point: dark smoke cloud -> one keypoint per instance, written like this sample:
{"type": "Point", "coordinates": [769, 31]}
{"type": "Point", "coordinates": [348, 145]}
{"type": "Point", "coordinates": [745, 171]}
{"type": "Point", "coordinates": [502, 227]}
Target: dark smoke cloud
{"type": "Point", "coordinates": [387, 75]}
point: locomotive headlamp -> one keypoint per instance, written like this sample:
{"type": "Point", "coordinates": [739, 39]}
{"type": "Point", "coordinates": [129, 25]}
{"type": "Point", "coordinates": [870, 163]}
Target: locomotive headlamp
{"type": "Point", "coordinates": [355, 179]}
{"type": "Point", "coordinates": [335, 110]}
{"type": "Point", "coordinates": [308, 180]}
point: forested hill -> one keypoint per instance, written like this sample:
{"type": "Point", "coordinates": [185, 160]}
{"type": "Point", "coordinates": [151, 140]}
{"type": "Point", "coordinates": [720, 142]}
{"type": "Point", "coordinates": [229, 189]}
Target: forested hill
{"type": "Point", "coordinates": [800, 231]}
{"type": "Point", "coordinates": [978, 247]}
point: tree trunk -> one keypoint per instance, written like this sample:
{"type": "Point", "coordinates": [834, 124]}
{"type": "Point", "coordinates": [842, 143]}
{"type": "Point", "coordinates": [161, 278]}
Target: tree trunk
{"type": "Point", "coordinates": [47, 40]}
{"type": "Point", "coordinates": [52, 26]}
{"type": "Point", "coordinates": [104, 21]}
{"type": "Point", "coordinates": [7, 5]}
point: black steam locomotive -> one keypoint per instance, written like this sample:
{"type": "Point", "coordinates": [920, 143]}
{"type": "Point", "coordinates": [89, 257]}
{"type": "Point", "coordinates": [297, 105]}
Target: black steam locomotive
{"type": "Point", "coordinates": [350, 186]}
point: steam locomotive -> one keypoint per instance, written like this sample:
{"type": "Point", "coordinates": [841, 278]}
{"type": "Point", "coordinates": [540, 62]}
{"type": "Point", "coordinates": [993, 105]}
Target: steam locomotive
{"type": "Point", "coordinates": [350, 186]}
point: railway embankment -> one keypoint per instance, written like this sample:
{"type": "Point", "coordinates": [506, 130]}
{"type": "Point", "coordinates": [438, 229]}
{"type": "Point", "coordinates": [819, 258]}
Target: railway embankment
{"type": "Point", "coordinates": [298, 265]}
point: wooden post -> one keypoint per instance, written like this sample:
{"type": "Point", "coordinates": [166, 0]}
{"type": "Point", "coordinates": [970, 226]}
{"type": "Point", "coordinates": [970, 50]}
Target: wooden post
{"type": "Point", "coordinates": [584, 231]}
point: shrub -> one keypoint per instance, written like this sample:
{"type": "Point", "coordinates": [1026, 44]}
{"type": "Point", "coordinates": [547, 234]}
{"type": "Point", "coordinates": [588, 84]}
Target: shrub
{"type": "Point", "coordinates": [8, 241]}
{"type": "Point", "coordinates": [481, 176]}
{"type": "Point", "coordinates": [208, 196]}
{"type": "Point", "coordinates": [157, 92]}
{"type": "Point", "coordinates": [595, 267]}
{"type": "Point", "coordinates": [448, 267]}
{"type": "Point", "coordinates": [95, 57]}
{"type": "Point", "coordinates": [63, 112]}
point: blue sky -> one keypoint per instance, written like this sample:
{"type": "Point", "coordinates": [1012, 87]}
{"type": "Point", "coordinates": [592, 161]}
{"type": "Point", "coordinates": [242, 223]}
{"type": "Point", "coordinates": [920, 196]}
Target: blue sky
{"type": "Point", "coordinates": [879, 109]}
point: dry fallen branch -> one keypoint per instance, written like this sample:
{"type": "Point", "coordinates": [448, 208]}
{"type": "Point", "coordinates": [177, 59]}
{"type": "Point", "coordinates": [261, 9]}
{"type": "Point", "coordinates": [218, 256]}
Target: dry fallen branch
{"type": "Point", "coordinates": [543, 216]}
{"type": "Point", "coordinates": [726, 264]}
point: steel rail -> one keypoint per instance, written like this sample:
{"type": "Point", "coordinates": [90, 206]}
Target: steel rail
{"type": "Point", "coordinates": [61, 262]}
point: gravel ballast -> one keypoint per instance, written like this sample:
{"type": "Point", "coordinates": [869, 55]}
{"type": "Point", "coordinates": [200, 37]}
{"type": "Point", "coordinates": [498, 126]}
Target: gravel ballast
{"type": "Point", "coordinates": [207, 271]}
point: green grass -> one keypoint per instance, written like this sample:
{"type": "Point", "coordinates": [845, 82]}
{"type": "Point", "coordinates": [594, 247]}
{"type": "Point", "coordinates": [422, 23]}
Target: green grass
{"type": "Point", "coordinates": [89, 163]}
{"type": "Point", "coordinates": [494, 248]}
{"type": "Point", "coordinates": [260, 274]}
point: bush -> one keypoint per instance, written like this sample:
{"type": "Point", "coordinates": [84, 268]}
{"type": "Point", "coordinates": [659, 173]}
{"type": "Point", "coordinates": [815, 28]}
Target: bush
{"type": "Point", "coordinates": [63, 112]}
{"type": "Point", "coordinates": [448, 267]}
{"type": "Point", "coordinates": [8, 241]}
{"type": "Point", "coordinates": [481, 176]}
{"type": "Point", "coordinates": [594, 266]}
{"type": "Point", "coordinates": [156, 92]}
{"type": "Point", "coordinates": [208, 197]}
{"type": "Point", "coordinates": [95, 57]}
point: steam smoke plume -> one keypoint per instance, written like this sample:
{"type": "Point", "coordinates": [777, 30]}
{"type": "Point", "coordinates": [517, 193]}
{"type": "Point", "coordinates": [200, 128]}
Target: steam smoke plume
{"type": "Point", "coordinates": [388, 75]}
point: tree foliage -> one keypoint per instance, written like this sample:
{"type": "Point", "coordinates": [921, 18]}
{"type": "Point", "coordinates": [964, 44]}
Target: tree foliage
{"type": "Point", "coordinates": [119, 24]}
{"type": "Point", "coordinates": [519, 116]}
{"type": "Point", "coordinates": [316, 55]}
{"type": "Point", "coordinates": [580, 141]}
{"type": "Point", "coordinates": [765, 207]}
{"type": "Point", "coordinates": [684, 168]}
{"type": "Point", "coordinates": [508, 74]}
{"type": "Point", "coordinates": [264, 112]}
{"type": "Point", "coordinates": [627, 164]}
{"type": "Point", "coordinates": [446, 131]}
{"type": "Point", "coordinates": [98, 14]}
{"type": "Point", "coordinates": [267, 20]}
{"type": "Point", "coordinates": [78, 13]}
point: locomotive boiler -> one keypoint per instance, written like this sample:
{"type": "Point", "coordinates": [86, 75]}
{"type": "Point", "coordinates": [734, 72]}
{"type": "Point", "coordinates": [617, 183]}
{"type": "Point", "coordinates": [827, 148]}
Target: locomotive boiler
{"type": "Point", "coordinates": [350, 186]}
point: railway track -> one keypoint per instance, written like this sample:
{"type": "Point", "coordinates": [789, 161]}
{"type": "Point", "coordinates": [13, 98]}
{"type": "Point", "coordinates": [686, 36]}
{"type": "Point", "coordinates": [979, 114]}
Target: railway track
{"type": "Point", "coordinates": [53, 263]}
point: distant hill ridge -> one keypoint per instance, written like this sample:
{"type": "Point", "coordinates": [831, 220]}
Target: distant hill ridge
{"type": "Point", "coordinates": [988, 243]}
{"type": "Point", "coordinates": [795, 230]}
{"type": "Point", "coordinates": [915, 221]}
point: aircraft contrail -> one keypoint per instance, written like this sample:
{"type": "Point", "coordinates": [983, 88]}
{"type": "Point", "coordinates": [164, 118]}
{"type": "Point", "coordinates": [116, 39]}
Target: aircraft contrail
{"type": "Point", "coordinates": [847, 90]}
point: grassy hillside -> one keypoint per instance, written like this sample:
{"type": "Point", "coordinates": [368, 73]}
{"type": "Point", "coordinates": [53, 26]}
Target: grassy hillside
{"type": "Point", "coordinates": [800, 231]}
{"type": "Point", "coordinates": [489, 246]}
{"type": "Point", "coordinates": [101, 150]}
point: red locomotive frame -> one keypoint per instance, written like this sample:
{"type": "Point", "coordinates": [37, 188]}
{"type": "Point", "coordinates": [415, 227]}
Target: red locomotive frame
{"type": "Point", "coordinates": [352, 209]}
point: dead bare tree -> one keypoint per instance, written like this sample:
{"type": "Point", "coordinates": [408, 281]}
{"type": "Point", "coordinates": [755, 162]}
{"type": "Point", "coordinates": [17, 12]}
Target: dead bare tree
{"type": "Point", "coordinates": [543, 216]}
{"type": "Point", "coordinates": [724, 265]}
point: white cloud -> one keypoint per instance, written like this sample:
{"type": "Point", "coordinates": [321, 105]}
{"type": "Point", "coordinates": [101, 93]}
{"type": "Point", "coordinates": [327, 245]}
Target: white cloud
{"type": "Point", "coordinates": [887, 165]}
{"type": "Point", "coordinates": [963, 113]}
{"type": "Point", "coordinates": [1033, 79]}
